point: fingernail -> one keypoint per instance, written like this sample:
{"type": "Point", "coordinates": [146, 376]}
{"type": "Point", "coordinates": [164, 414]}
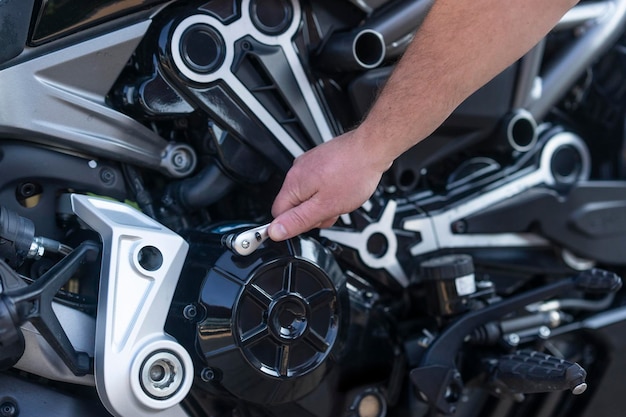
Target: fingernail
{"type": "Point", "coordinates": [277, 231]}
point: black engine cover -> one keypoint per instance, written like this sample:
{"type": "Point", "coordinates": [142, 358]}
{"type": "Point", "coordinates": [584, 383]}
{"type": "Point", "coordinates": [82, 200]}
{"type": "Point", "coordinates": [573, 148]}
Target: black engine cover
{"type": "Point", "coordinates": [272, 320]}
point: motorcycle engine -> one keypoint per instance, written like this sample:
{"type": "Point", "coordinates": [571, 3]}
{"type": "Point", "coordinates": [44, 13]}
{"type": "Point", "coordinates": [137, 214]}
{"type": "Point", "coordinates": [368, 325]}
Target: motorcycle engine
{"type": "Point", "coordinates": [267, 327]}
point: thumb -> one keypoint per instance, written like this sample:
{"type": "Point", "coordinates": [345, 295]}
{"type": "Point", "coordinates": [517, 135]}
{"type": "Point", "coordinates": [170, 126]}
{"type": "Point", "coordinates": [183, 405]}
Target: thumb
{"type": "Point", "coordinates": [295, 221]}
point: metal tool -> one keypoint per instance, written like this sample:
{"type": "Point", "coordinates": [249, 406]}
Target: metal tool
{"type": "Point", "coordinates": [247, 242]}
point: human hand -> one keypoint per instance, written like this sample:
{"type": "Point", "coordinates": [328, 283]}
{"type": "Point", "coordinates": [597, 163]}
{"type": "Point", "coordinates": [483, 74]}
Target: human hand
{"type": "Point", "coordinates": [332, 179]}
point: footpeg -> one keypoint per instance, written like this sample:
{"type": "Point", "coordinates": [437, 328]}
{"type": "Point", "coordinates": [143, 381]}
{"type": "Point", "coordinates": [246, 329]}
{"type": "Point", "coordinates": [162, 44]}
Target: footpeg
{"type": "Point", "coordinates": [528, 372]}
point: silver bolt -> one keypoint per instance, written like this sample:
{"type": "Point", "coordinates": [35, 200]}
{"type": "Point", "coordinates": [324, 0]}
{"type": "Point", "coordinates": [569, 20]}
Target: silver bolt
{"type": "Point", "coordinates": [180, 159]}
{"type": "Point", "coordinates": [207, 375]}
{"type": "Point", "coordinates": [245, 244]}
{"type": "Point", "coordinates": [161, 375]}
{"type": "Point", "coordinates": [512, 339]}
{"type": "Point", "coordinates": [544, 332]}
{"type": "Point", "coordinates": [579, 389]}
{"type": "Point", "coordinates": [190, 312]}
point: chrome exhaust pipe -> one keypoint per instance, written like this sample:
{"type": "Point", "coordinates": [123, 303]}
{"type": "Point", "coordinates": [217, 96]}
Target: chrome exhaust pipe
{"type": "Point", "coordinates": [352, 51]}
{"type": "Point", "coordinates": [398, 22]}
{"type": "Point", "coordinates": [606, 21]}
{"type": "Point", "coordinates": [385, 34]}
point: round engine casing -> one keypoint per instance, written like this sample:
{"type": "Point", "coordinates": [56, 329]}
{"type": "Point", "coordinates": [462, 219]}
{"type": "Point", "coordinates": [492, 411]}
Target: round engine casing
{"type": "Point", "coordinates": [272, 319]}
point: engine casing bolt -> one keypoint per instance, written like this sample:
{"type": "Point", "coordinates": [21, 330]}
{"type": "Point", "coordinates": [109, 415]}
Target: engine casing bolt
{"type": "Point", "coordinates": [190, 312]}
{"type": "Point", "coordinates": [207, 375]}
{"type": "Point", "coordinates": [9, 408]}
{"type": "Point", "coordinates": [459, 227]}
{"type": "Point", "coordinates": [107, 176]}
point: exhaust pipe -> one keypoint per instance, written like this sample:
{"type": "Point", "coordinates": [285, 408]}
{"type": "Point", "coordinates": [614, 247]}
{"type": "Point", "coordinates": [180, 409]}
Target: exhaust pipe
{"type": "Point", "coordinates": [351, 51]}
{"type": "Point", "coordinates": [386, 34]}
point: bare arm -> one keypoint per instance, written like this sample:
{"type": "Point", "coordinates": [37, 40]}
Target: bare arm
{"type": "Point", "coordinates": [460, 47]}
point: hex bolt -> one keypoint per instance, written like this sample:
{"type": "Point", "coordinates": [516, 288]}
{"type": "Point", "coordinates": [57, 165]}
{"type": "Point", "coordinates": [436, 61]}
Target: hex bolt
{"type": "Point", "coordinates": [190, 312]}
{"type": "Point", "coordinates": [245, 244]}
{"type": "Point", "coordinates": [8, 408]}
{"type": "Point", "coordinates": [207, 375]}
{"type": "Point", "coordinates": [544, 332]}
{"type": "Point", "coordinates": [459, 226]}
{"type": "Point", "coordinates": [27, 189]}
{"type": "Point", "coordinates": [107, 176]}
{"type": "Point", "coordinates": [181, 159]}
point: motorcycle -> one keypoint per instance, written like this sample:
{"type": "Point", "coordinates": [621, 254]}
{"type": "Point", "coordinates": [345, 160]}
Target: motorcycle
{"type": "Point", "coordinates": [143, 142]}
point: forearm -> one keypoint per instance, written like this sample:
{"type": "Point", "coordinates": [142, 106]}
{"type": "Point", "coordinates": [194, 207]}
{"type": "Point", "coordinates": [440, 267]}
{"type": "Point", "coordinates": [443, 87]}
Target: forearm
{"type": "Point", "coordinates": [460, 47]}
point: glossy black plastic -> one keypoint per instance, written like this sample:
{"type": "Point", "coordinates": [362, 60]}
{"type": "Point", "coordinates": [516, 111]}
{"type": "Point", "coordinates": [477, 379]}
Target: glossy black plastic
{"type": "Point", "coordinates": [272, 320]}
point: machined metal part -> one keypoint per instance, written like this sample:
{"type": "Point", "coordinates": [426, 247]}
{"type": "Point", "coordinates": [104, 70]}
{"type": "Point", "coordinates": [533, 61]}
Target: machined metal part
{"type": "Point", "coordinates": [435, 228]}
{"type": "Point", "coordinates": [141, 264]}
{"type": "Point", "coordinates": [521, 131]}
{"type": "Point", "coordinates": [398, 23]}
{"type": "Point", "coordinates": [66, 106]}
{"type": "Point", "coordinates": [351, 51]}
{"type": "Point", "coordinates": [358, 240]}
{"type": "Point", "coordinates": [162, 374]}
{"type": "Point", "coordinates": [437, 371]}
{"type": "Point", "coordinates": [602, 23]}
{"type": "Point", "coordinates": [232, 33]}
{"type": "Point", "coordinates": [369, 5]}
{"type": "Point", "coordinates": [382, 35]}
{"type": "Point", "coordinates": [39, 357]}
{"type": "Point", "coordinates": [245, 243]}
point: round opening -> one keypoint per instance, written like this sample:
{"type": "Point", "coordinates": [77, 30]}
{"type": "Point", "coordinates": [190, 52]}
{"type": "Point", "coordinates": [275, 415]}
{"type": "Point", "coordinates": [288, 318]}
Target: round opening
{"type": "Point", "coordinates": [369, 49]}
{"type": "Point", "coordinates": [522, 132]}
{"type": "Point", "coordinates": [566, 164]}
{"type": "Point", "coordinates": [8, 408]}
{"type": "Point", "coordinates": [28, 194]}
{"type": "Point", "coordinates": [202, 48]}
{"type": "Point", "coordinates": [150, 258]}
{"type": "Point", "coordinates": [407, 179]}
{"type": "Point", "coordinates": [273, 18]}
{"type": "Point", "coordinates": [377, 245]}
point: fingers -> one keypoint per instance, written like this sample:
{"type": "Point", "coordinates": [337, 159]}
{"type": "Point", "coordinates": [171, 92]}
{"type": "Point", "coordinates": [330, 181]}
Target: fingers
{"type": "Point", "coordinates": [328, 223]}
{"type": "Point", "coordinates": [298, 220]}
{"type": "Point", "coordinates": [293, 222]}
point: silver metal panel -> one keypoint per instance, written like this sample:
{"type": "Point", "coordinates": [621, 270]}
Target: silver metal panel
{"type": "Point", "coordinates": [235, 31]}
{"type": "Point", "coordinates": [603, 25]}
{"type": "Point", "coordinates": [435, 229]}
{"type": "Point", "coordinates": [58, 99]}
{"type": "Point", "coordinates": [133, 303]}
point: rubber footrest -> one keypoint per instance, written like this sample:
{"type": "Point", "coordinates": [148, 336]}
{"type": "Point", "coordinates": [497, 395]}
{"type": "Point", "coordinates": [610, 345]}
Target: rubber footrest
{"type": "Point", "coordinates": [527, 372]}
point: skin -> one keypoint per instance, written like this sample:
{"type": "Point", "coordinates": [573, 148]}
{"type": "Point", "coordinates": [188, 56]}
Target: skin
{"type": "Point", "coordinates": [460, 47]}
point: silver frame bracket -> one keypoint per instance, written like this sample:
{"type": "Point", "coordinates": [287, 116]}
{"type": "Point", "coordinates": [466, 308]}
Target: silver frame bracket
{"type": "Point", "coordinates": [141, 263]}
